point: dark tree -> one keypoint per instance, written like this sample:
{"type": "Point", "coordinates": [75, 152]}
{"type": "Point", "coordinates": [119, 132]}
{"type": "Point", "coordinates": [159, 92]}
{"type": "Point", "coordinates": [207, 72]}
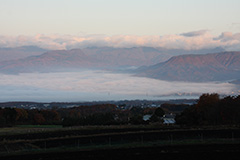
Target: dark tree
{"type": "Point", "coordinates": [207, 107]}
{"type": "Point", "coordinates": [157, 115]}
{"type": "Point", "coordinates": [188, 117]}
{"type": "Point", "coordinates": [10, 115]}
{"type": "Point", "coordinates": [137, 119]}
{"type": "Point", "coordinates": [211, 110]}
{"type": "Point", "coordinates": [159, 112]}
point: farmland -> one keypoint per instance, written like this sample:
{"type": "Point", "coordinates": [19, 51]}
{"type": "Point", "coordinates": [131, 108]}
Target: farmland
{"type": "Point", "coordinates": [93, 142]}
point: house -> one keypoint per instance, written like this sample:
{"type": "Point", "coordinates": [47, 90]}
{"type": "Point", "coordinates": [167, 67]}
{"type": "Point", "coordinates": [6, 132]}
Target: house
{"type": "Point", "coordinates": [147, 117]}
{"type": "Point", "coordinates": [169, 119]}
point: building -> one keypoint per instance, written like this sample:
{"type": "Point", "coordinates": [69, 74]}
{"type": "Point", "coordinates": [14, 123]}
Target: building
{"type": "Point", "coordinates": [169, 119]}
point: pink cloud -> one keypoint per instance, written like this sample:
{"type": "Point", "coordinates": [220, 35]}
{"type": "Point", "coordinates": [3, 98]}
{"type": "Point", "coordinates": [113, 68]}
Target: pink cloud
{"type": "Point", "coordinates": [191, 40]}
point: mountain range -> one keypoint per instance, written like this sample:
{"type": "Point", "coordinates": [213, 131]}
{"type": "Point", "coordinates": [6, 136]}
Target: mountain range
{"type": "Point", "coordinates": [34, 59]}
{"type": "Point", "coordinates": [197, 68]}
{"type": "Point", "coordinates": [15, 53]}
{"type": "Point", "coordinates": [158, 63]}
{"type": "Point", "coordinates": [139, 56]}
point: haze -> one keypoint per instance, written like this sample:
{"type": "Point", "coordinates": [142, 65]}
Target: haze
{"type": "Point", "coordinates": [99, 85]}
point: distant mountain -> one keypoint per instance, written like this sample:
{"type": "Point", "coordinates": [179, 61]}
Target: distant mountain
{"type": "Point", "coordinates": [7, 54]}
{"type": "Point", "coordinates": [136, 56]}
{"type": "Point", "coordinates": [107, 58]}
{"type": "Point", "coordinates": [198, 68]}
{"type": "Point", "coordinates": [177, 52]}
{"type": "Point", "coordinates": [88, 58]}
{"type": "Point", "coordinates": [139, 56]}
{"type": "Point", "coordinates": [60, 60]}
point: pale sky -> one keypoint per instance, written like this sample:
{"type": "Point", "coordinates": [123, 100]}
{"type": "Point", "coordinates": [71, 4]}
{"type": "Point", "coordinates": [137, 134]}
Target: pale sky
{"type": "Point", "coordinates": [118, 17]}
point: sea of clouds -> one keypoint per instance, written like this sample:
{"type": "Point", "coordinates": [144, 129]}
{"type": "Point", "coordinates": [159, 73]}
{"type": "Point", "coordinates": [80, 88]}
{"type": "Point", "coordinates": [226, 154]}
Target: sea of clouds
{"type": "Point", "coordinates": [99, 86]}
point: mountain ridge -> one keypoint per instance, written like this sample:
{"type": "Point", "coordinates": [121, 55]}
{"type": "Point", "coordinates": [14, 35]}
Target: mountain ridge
{"type": "Point", "coordinates": [58, 60]}
{"type": "Point", "coordinates": [189, 67]}
{"type": "Point", "coordinates": [15, 53]}
{"type": "Point", "coordinates": [208, 67]}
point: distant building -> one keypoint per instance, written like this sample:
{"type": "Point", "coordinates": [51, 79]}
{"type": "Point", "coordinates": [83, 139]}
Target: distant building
{"type": "Point", "coordinates": [169, 119]}
{"type": "Point", "coordinates": [147, 117]}
{"type": "Point", "coordinates": [46, 105]}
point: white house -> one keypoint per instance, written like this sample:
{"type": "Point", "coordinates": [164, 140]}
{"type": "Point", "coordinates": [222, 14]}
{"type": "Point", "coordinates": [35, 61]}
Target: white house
{"type": "Point", "coordinates": [168, 119]}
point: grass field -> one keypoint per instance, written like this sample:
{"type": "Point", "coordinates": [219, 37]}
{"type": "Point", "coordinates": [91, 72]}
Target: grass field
{"type": "Point", "coordinates": [34, 139]}
{"type": "Point", "coordinates": [21, 129]}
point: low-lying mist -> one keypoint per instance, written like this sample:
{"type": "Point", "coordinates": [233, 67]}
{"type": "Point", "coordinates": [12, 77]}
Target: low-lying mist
{"type": "Point", "coordinates": [99, 86]}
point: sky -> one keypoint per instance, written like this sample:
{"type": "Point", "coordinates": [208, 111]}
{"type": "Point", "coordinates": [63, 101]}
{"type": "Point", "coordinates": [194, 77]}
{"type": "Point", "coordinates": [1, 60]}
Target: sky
{"type": "Point", "coordinates": [68, 24]}
{"type": "Point", "coordinates": [118, 17]}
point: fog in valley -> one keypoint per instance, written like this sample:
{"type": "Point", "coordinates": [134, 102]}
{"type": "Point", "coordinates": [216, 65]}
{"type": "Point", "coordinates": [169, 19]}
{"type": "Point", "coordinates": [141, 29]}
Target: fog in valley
{"type": "Point", "coordinates": [100, 85]}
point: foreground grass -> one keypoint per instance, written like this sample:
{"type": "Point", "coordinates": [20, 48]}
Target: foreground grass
{"type": "Point", "coordinates": [23, 129]}
{"type": "Point", "coordinates": [120, 146]}
{"type": "Point", "coordinates": [102, 138]}
{"type": "Point", "coordinates": [39, 126]}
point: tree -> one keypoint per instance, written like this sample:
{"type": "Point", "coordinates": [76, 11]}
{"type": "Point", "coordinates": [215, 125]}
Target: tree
{"type": "Point", "coordinates": [10, 115]}
{"type": "Point", "coordinates": [137, 119]}
{"type": "Point", "coordinates": [230, 110]}
{"type": "Point", "coordinates": [2, 122]}
{"type": "Point", "coordinates": [211, 110]}
{"type": "Point", "coordinates": [38, 118]}
{"type": "Point", "coordinates": [22, 114]}
{"type": "Point", "coordinates": [51, 116]}
{"type": "Point", "coordinates": [157, 115]}
{"type": "Point", "coordinates": [207, 107]}
{"type": "Point", "coordinates": [188, 117]}
{"type": "Point", "coordinates": [159, 112]}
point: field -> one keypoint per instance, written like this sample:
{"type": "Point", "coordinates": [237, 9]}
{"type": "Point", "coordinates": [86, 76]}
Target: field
{"type": "Point", "coordinates": [93, 142]}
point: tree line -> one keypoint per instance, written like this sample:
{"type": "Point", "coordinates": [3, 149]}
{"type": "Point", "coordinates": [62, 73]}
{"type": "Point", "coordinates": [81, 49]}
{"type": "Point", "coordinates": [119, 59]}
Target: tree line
{"type": "Point", "coordinates": [212, 110]}
{"type": "Point", "coordinates": [102, 114]}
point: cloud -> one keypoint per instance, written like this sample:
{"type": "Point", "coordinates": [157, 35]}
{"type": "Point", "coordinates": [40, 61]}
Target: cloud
{"type": "Point", "coordinates": [98, 85]}
{"type": "Point", "coordinates": [195, 33]}
{"type": "Point", "coordinates": [201, 39]}
{"type": "Point", "coordinates": [229, 40]}
{"type": "Point", "coordinates": [228, 36]}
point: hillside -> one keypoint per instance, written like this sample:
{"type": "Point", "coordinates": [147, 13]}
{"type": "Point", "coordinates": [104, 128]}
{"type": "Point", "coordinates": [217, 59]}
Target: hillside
{"type": "Point", "coordinates": [88, 58]}
{"type": "Point", "coordinates": [60, 60]}
{"type": "Point", "coordinates": [136, 56]}
{"type": "Point", "coordinates": [209, 67]}
{"type": "Point", "coordinates": [7, 54]}
{"type": "Point", "coordinates": [34, 59]}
